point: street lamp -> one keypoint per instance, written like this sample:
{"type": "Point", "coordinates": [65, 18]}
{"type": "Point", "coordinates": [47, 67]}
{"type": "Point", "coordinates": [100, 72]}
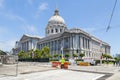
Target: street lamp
{"type": "Point", "coordinates": [62, 51]}
{"type": "Point", "coordinates": [101, 54]}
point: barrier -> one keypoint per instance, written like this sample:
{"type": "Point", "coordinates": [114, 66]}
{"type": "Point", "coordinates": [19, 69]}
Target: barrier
{"type": "Point", "coordinates": [66, 65]}
{"type": "Point", "coordinates": [57, 64]}
{"type": "Point", "coordinates": [84, 64]}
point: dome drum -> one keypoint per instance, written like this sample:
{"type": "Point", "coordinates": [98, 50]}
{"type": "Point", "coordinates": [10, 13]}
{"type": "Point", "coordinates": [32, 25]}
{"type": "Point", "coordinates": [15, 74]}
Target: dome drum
{"type": "Point", "coordinates": [56, 24]}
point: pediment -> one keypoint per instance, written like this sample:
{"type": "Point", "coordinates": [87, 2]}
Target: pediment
{"type": "Point", "coordinates": [24, 37]}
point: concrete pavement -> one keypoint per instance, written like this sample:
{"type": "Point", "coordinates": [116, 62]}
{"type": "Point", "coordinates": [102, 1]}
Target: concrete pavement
{"type": "Point", "coordinates": [59, 74]}
{"type": "Point", "coordinates": [26, 69]}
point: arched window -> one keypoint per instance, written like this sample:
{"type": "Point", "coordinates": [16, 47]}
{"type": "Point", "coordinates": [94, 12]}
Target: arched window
{"type": "Point", "coordinates": [48, 31]}
{"type": "Point", "coordinates": [56, 30]}
{"type": "Point", "coordinates": [60, 30]}
{"type": "Point", "coordinates": [51, 30]}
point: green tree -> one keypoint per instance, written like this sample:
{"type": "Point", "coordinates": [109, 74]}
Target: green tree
{"type": "Point", "coordinates": [0, 52]}
{"type": "Point", "coordinates": [117, 57]}
{"type": "Point", "coordinates": [22, 54]}
{"type": "Point", "coordinates": [56, 56]}
{"type": "Point", "coordinates": [82, 55]}
{"type": "Point", "coordinates": [107, 56]}
{"type": "Point", "coordinates": [75, 55]}
{"type": "Point", "coordinates": [45, 52]}
{"type": "Point", "coordinates": [67, 55]}
{"type": "Point", "coordinates": [51, 56]}
{"type": "Point", "coordinates": [31, 53]}
{"type": "Point", "coordinates": [37, 54]}
{"type": "Point", "coordinates": [60, 55]}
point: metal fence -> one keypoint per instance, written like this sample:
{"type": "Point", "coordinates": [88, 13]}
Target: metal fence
{"type": "Point", "coordinates": [8, 65]}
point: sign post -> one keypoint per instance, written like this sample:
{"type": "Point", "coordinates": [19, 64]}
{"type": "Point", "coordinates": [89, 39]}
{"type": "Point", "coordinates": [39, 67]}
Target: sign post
{"type": "Point", "coordinates": [16, 58]}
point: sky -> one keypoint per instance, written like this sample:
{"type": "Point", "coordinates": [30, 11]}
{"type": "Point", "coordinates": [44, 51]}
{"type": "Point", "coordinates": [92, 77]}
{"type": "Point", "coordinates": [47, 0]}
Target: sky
{"type": "Point", "coordinates": [18, 17]}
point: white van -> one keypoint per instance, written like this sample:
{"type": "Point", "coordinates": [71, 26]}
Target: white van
{"type": "Point", "coordinates": [91, 61]}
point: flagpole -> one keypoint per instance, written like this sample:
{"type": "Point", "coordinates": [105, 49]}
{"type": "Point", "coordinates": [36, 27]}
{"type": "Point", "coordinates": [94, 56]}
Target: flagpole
{"type": "Point", "coordinates": [62, 45]}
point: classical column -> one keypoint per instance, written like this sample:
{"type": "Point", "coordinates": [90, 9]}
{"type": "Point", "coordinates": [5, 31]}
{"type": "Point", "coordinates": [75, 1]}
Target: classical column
{"type": "Point", "coordinates": [81, 42]}
{"type": "Point", "coordinates": [86, 43]}
{"type": "Point", "coordinates": [77, 42]}
{"type": "Point", "coordinates": [57, 47]}
{"type": "Point", "coordinates": [73, 42]}
{"type": "Point", "coordinates": [70, 42]}
{"type": "Point", "coordinates": [51, 47]}
{"type": "Point", "coordinates": [54, 46]}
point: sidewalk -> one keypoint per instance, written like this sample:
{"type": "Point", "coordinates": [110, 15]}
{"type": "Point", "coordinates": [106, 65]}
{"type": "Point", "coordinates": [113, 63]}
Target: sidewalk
{"type": "Point", "coordinates": [111, 72]}
{"type": "Point", "coordinates": [116, 76]}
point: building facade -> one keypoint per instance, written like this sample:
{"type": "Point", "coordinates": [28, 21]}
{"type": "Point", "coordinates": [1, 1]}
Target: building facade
{"type": "Point", "coordinates": [58, 38]}
{"type": "Point", "coordinates": [26, 43]}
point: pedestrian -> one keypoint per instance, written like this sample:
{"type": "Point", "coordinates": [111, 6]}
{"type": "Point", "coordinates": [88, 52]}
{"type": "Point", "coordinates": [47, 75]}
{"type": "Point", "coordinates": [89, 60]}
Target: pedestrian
{"type": "Point", "coordinates": [114, 63]}
{"type": "Point", "coordinates": [62, 62]}
{"type": "Point", "coordinates": [119, 63]}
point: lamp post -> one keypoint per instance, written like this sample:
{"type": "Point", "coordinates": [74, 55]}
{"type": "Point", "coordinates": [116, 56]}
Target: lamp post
{"type": "Point", "coordinates": [101, 54]}
{"type": "Point", "coordinates": [62, 51]}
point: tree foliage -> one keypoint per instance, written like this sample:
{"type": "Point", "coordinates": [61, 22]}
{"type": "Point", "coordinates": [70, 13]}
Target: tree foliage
{"type": "Point", "coordinates": [56, 55]}
{"type": "Point", "coordinates": [45, 52]}
{"type": "Point", "coordinates": [37, 54]}
{"type": "Point", "coordinates": [82, 55]}
{"type": "Point", "coordinates": [75, 55]}
{"type": "Point", "coordinates": [67, 55]}
{"type": "Point", "coordinates": [107, 56]}
{"type": "Point", "coordinates": [22, 54]}
{"type": "Point", "coordinates": [117, 58]}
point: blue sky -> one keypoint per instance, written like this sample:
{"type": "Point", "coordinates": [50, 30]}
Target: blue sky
{"type": "Point", "coordinates": [18, 17]}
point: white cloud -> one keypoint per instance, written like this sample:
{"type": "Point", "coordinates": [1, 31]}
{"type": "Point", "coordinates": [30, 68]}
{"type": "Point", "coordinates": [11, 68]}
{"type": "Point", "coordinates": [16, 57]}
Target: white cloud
{"type": "Point", "coordinates": [15, 17]}
{"type": "Point", "coordinates": [43, 6]}
{"type": "Point", "coordinates": [26, 27]}
{"type": "Point", "coordinates": [7, 45]}
{"type": "Point", "coordinates": [30, 29]}
{"type": "Point", "coordinates": [1, 3]}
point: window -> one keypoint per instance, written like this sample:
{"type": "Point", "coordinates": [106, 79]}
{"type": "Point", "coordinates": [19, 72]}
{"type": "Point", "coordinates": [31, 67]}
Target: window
{"type": "Point", "coordinates": [60, 30]}
{"type": "Point", "coordinates": [48, 31]}
{"type": "Point", "coordinates": [51, 30]}
{"type": "Point", "coordinates": [56, 30]}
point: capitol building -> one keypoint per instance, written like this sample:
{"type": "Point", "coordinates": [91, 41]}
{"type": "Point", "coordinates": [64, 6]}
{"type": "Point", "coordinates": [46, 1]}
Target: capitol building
{"type": "Point", "coordinates": [59, 38]}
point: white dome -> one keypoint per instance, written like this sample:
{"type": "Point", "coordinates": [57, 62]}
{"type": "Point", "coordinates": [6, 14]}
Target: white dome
{"type": "Point", "coordinates": [56, 19]}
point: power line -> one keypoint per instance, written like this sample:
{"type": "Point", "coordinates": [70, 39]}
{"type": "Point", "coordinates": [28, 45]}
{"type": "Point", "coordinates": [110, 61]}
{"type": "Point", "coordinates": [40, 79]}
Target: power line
{"type": "Point", "coordinates": [111, 16]}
